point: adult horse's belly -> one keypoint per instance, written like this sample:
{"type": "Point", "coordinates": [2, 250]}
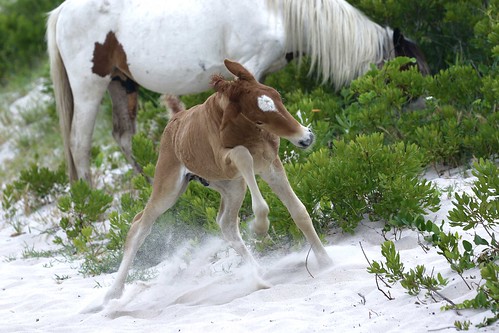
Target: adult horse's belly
{"type": "Point", "coordinates": [178, 46]}
{"type": "Point", "coordinates": [181, 79]}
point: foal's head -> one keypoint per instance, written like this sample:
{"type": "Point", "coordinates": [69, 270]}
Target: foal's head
{"type": "Point", "coordinates": [260, 105]}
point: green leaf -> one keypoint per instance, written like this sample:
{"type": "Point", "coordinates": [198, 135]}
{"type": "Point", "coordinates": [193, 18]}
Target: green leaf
{"type": "Point", "coordinates": [467, 245]}
{"type": "Point", "coordinates": [87, 232]}
{"type": "Point", "coordinates": [480, 241]}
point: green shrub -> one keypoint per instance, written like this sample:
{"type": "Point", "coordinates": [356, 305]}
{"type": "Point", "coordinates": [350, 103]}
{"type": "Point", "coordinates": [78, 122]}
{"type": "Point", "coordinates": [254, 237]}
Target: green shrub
{"type": "Point", "coordinates": [363, 177]}
{"type": "Point", "coordinates": [458, 85]}
{"type": "Point", "coordinates": [131, 204]}
{"type": "Point", "coordinates": [36, 185]}
{"type": "Point", "coordinates": [22, 29]}
{"type": "Point", "coordinates": [479, 211]}
{"type": "Point", "coordinates": [152, 119]}
{"type": "Point", "coordinates": [144, 153]}
{"type": "Point", "coordinates": [455, 118]}
{"type": "Point", "coordinates": [444, 29]}
{"type": "Point", "coordinates": [380, 101]}
{"type": "Point", "coordinates": [413, 281]}
{"type": "Point", "coordinates": [487, 31]}
{"type": "Point", "coordinates": [41, 182]}
{"type": "Point", "coordinates": [82, 208]}
{"type": "Point", "coordinates": [198, 206]}
{"type": "Point", "coordinates": [297, 75]}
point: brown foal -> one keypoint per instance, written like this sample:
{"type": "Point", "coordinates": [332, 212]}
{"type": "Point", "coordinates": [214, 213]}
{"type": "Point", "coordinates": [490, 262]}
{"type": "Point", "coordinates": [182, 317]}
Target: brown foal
{"type": "Point", "coordinates": [226, 141]}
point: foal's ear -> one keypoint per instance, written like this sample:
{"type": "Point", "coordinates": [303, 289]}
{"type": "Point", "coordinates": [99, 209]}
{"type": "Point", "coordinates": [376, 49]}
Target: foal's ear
{"type": "Point", "coordinates": [238, 70]}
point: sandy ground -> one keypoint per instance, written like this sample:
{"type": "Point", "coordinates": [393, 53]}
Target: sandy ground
{"type": "Point", "coordinates": [205, 288]}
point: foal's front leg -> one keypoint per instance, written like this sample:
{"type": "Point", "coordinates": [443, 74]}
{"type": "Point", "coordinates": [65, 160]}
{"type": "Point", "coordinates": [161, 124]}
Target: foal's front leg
{"type": "Point", "coordinates": [232, 195]}
{"type": "Point", "coordinates": [278, 182]}
{"type": "Point", "coordinates": [232, 192]}
{"type": "Point", "coordinates": [243, 161]}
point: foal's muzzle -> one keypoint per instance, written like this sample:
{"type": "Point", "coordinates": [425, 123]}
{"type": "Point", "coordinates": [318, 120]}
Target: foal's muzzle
{"type": "Point", "coordinates": [307, 139]}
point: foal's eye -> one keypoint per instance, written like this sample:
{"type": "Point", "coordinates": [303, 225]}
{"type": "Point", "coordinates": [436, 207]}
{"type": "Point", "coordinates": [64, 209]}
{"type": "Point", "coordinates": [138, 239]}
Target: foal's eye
{"type": "Point", "coordinates": [259, 123]}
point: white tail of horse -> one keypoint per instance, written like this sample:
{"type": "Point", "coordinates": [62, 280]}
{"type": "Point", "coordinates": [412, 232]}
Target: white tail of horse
{"type": "Point", "coordinates": [62, 90]}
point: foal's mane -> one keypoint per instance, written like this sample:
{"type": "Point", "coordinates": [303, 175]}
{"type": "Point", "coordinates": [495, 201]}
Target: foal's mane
{"type": "Point", "coordinates": [230, 89]}
{"type": "Point", "coordinates": [340, 40]}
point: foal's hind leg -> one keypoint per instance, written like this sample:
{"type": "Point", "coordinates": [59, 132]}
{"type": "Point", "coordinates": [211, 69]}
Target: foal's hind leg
{"type": "Point", "coordinates": [169, 183]}
{"type": "Point", "coordinates": [278, 182]}
{"type": "Point", "coordinates": [124, 97]}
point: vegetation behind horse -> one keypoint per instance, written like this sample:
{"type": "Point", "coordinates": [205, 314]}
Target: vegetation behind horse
{"type": "Point", "coordinates": [459, 122]}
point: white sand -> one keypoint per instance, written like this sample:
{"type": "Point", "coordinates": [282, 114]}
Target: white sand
{"type": "Point", "coordinates": [205, 288]}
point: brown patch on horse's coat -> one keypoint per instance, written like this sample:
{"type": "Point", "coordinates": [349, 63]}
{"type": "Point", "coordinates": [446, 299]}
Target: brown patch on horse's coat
{"type": "Point", "coordinates": [132, 105]}
{"type": "Point", "coordinates": [110, 57]}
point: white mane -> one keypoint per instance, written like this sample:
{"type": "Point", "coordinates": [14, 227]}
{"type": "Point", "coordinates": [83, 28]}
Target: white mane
{"type": "Point", "coordinates": [340, 40]}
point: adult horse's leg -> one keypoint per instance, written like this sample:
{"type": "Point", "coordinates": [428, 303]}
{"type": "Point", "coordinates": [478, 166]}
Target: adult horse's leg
{"type": "Point", "coordinates": [170, 182]}
{"type": "Point", "coordinates": [87, 96]}
{"type": "Point", "coordinates": [124, 98]}
{"type": "Point", "coordinates": [278, 182]}
{"type": "Point", "coordinates": [243, 161]}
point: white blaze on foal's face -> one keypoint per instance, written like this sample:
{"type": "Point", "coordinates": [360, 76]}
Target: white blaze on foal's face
{"type": "Point", "coordinates": [266, 104]}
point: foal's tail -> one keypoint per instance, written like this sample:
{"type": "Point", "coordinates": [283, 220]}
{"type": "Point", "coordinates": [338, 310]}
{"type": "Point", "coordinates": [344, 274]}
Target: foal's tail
{"type": "Point", "coordinates": [172, 103]}
{"type": "Point", "coordinates": [62, 90]}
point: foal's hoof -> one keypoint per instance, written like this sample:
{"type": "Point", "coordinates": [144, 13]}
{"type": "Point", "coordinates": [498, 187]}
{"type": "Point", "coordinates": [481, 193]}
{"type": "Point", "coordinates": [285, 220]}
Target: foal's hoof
{"type": "Point", "coordinates": [113, 293]}
{"type": "Point", "coordinates": [92, 309]}
{"type": "Point", "coordinates": [325, 261]}
{"type": "Point", "coordinates": [262, 284]}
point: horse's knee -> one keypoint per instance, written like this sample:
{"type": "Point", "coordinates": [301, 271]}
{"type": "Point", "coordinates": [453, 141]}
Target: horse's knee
{"type": "Point", "coordinates": [261, 209]}
{"type": "Point", "coordinates": [260, 224]}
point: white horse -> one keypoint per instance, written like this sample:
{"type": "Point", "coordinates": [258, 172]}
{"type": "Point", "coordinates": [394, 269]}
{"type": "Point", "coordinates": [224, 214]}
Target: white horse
{"type": "Point", "coordinates": [175, 46]}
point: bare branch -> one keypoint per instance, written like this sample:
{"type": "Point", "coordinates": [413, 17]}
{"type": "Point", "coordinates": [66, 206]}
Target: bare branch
{"type": "Point", "coordinates": [306, 263]}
